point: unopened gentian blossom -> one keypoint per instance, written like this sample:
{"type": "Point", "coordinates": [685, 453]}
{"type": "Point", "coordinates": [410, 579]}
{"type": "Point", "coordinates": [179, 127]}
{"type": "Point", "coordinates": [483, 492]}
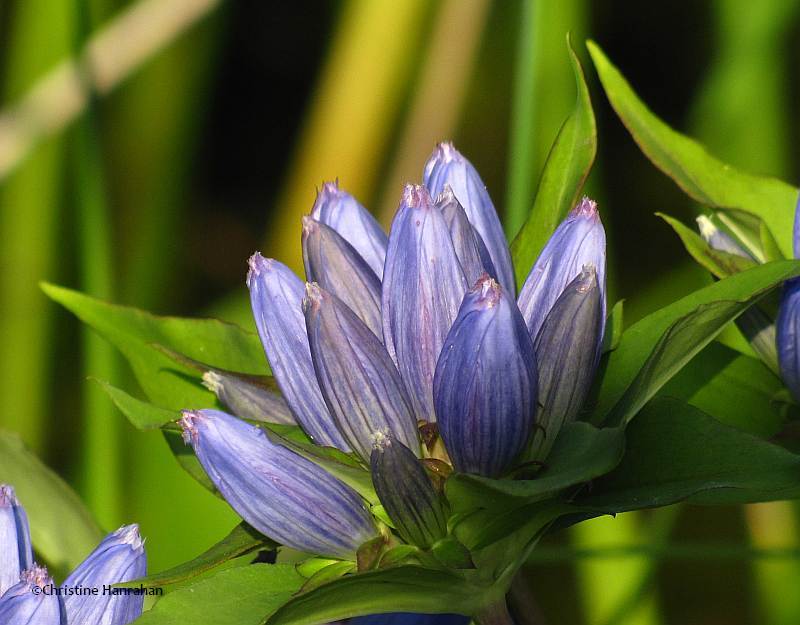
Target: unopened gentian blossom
{"type": "Point", "coordinates": [392, 336]}
{"type": "Point", "coordinates": [120, 557]}
{"type": "Point", "coordinates": [281, 494]}
{"type": "Point", "coordinates": [31, 600]}
{"type": "Point", "coordinates": [788, 322]}
{"type": "Point", "coordinates": [16, 553]}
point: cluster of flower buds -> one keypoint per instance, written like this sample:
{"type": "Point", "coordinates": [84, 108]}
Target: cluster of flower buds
{"type": "Point", "coordinates": [392, 336]}
{"type": "Point", "coordinates": [28, 595]}
{"type": "Point", "coordinates": [775, 339]}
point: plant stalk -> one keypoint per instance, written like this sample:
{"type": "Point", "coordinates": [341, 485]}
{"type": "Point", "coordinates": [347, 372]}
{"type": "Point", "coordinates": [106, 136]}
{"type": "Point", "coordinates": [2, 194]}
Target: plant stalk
{"type": "Point", "coordinates": [495, 614]}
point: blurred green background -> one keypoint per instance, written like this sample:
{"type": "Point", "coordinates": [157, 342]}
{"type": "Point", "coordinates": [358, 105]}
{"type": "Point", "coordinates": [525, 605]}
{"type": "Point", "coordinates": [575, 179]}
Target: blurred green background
{"type": "Point", "coordinates": [148, 148]}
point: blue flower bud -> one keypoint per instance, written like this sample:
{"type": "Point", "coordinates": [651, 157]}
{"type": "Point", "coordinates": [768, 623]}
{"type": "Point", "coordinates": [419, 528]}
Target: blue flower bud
{"type": "Point", "coordinates": [120, 557]}
{"type": "Point", "coordinates": [485, 386]}
{"type": "Point", "coordinates": [281, 494]}
{"type": "Point", "coordinates": [276, 296]}
{"type": "Point", "coordinates": [16, 553]}
{"type": "Point", "coordinates": [468, 244]}
{"type": "Point", "coordinates": [423, 285]}
{"type": "Point", "coordinates": [248, 399]}
{"type": "Point", "coordinates": [406, 492]}
{"type": "Point", "coordinates": [718, 239]}
{"type": "Point", "coordinates": [408, 618]}
{"type": "Point", "coordinates": [359, 381]}
{"type": "Point", "coordinates": [341, 211]}
{"type": "Point", "coordinates": [28, 603]}
{"type": "Point", "coordinates": [787, 329]}
{"type": "Point", "coordinates": [579, 240]}
{"type": "Point", "coordinates": [337, 267]}
{"type": "Point", "coordinates": [567, 351]}
{"type": "Point", "coordinates": [447, 166]}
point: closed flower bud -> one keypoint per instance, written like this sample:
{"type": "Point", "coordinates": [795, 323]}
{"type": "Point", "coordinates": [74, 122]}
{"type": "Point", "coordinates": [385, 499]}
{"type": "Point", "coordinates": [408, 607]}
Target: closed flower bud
{"type": "Point", "coordinates": [567, 350]}
{"type": "Point", "coordinates": [16, 554]}
{"type": "Point", "coordinates": [32, 600]}
{"type": "Point", "coordinates": [248, 399]}
{"type": "Point", "coordinates": [341, 211]}
{"type": "Point", "coordinates": [579, 240]}
{"type": "Point", "coordinates": [337, 267]}
{"type": "Point", "coordinates": [468, 244]}
{"type": "Point", "coordinates": [718, 239]}
{"type": "Point", "coordinates": [406, 492]}
{"type": "Point", "coordinates": [787, 328]}
{"type": "Point", "coordinates": [276, 296]}
{"type": "Point", "coordinates": [281, 494]}
{"type": "Point", "coordinates": [359, 381]}
{"type": "Point", "coordinates": [447, 166]}
{"type": "Point", "coordinates": [120, 557]}
{"type": "Point", "coordinates": [485, 386]}
{"type": "Point", "coordinates": [423, 285]}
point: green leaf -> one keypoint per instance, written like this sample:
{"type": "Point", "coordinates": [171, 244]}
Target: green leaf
{"type": "Point", "coordinates": [135, 333]}
{"type": "Point", "coordinates": [737, 390]}
{"type": "Point", "coordinates": [242, 540]}
{"type": "Point", "coordinates": [581, 453]}
{"type": "Point", "coordinates": [62, 529]}
{"type": "Point", "coordinates": [327, 574]}
{"type": "Point", "coordinates": [564, 174]}
{"type": "Point", "coordinates": [238, 596]}
{"type": "Point", "coordinates": [702, 176]}
{"type": "Point", "coordinates": [185, 456]}
{"type": "Point", "coordinates": [401, 589]}
{"type": "Point", "coordinates": [614, 327]}
{"type": "Point", "coordinates": [675, 452]}
{"type": "Point", "coordinates": [142, 415]}
{"type": "Point", "coordinates": [655, 348]}
{"type": "Point", "coordinates": [721, 264]}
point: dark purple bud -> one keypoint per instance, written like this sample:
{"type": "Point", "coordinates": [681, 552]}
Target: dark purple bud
{"type": "Point", "coordinates": [423, 285]}
{"type": "Point", "coordinates": [359, 381]}
{"type": "Point", "coordinates": [340, 210]}
{"type": "Point", "coordinates": [485, 387]}
{"type": "Point", "coordinates": [247, 399]}
{"type": "Point", "coordinates": [281, 494]}
{"type": "Point", "coordinates": [468, 244]}
{"type": "Point", "coordinates": [567, 351]}
{"type": "Point", "coordinates": [16, 553]}
{"type": "Point", "coordinates": [447, 166]}
{"type": "Point", "coordinates": [406, 492]}
{"type": "Point", "coordinates": [579, 240]}
{"type": "Point", "coordinates": [276, 296]}
{"type": "Point", "coordinates": [337, 267]}
{"type": "Point", "coordinates": [787, 328]}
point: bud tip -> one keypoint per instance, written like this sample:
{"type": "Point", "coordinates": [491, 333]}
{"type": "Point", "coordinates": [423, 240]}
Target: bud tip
{"type": "Point", "coordinates": [488, 290]}
{"type": "Point", "coordinates": [36, 576]}
{"type": "Point", "coordinates": [8, 497]}
{"type": "Point", "coordinates": [416, 196]}
{"type": "Point", "coordinates": [586, 208]}
{"type": "Point", "coordinates": [381, 440]}
{"type": "Point", "coordinates": [258, 265]}
{"type": "Point", "coordinates": [212, 381]}
{"type": "Point", "coordinates": [188, 422]}
{"type": "Point", "coordinates": [129, 535]}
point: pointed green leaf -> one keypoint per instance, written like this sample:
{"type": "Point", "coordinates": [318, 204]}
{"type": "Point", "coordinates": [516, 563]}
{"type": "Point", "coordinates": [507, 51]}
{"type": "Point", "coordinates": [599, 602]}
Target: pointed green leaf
{"type": "Point", "coordinates": [142, 415]}
{"type": "Point", "coordinates": [702, 176]}
{"type": "Point", "coordinates": [565, 171]}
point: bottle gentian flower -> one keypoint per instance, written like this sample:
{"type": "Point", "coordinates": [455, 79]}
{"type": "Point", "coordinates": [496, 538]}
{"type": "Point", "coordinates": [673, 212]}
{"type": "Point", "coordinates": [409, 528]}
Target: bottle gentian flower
{"type": "Point", "coordinates": [16, 553]}
{"type": "Point", "coordinates": [788, 322]}
{"type": "Point", "coordinates": [27, 603]}
{"type": "Point", "coordinates": [120, 557]}
{"type": "Point", "coordinates": [281, 494]}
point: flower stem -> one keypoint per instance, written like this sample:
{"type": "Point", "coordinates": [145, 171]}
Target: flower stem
{"type": "Point", "coordinates": [495, 614]}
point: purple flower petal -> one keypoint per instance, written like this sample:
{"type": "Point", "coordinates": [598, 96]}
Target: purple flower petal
{"type": "Point", "coordinates": [447, 166]}
{"type": "Point", "coordinates": [342, 212]}
{"type": "Point", "coordinates": [787, 328]}
{"type": "Point", "coordinates": [16, 553]}
{"type": "Point", "coordinates": [486, 383]}
{"type": "Point", "coordinates": [359, 381]}
{"type": "Point", "coordinates": [579, 240]}
{"type": "Point", "coordinates": [27, 603]}
{"type": "Point", "coordinates": [276, 296]}
{"type": "Point", "coordinates": [282, 495]}
{"type": "Point", "coordinates": [423, 285]}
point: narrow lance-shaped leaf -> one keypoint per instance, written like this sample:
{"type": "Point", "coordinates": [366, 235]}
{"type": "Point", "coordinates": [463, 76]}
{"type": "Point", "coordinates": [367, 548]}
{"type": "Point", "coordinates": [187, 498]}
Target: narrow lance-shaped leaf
{"type": "Point", "coordinates": [342, 212]}
{"type": "Point", "coordinates": [16, 553]}
{"type": "Point", "coordinates": [407, 494]}
{"type": "Point", "coordinates": [27, 603]}
{"type": "Point", "coordinates": [248, 399]}
{"type": "Point", "coordinates": [120, 557]}
{"type": "Point", "coordinates": [468, 244]}
{"type": "Point", "coordinates": [485, 387]}
{"type": "Point", "coordinates": [579, 240]}
{"type": "Point", "coordinates": [423, 285]}
{"type": "Point", "coordinates": [447, 166]}
{"type": "Point", "coordinates": [281, 494]}
{"type": "Point", "coordinates": [359, 381]}
{"type": "Point", "coordinates": [337, 267]}
{"type": "Point", "coordinates": [567, 351]}
{"type": "Point", "coordinates": [568, 165]}
{"type": "Point", "coordinates": [276, 296]}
